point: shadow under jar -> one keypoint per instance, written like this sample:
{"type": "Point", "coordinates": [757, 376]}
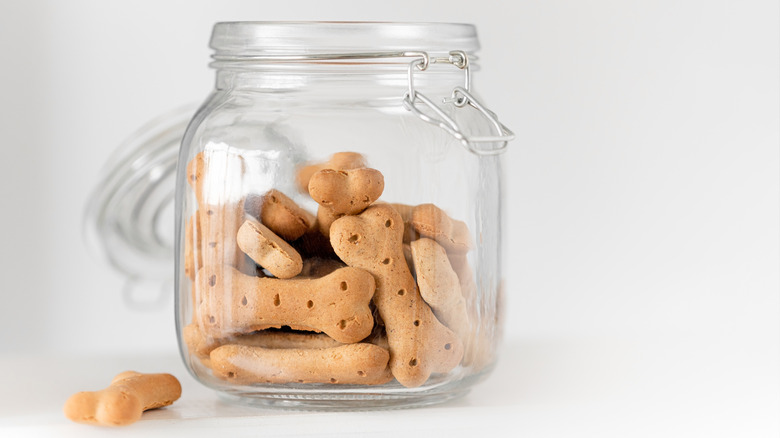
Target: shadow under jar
{"type": "Point", "coordinates": [338, 209]}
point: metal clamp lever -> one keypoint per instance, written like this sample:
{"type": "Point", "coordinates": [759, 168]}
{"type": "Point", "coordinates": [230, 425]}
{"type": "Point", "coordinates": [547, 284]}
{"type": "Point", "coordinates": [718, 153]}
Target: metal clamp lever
{"type": "Point", "coordinates": [460, 97]}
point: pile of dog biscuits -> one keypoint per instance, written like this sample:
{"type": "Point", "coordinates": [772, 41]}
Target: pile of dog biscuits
{"type": "Point", "coordinates": [362, 293]}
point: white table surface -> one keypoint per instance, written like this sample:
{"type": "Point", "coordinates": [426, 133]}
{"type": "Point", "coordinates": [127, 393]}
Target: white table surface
{"type": "Point", "coordinates": [682, 386]}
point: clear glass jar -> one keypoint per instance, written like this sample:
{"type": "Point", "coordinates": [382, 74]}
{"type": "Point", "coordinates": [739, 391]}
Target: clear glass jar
{"type": "Point", "coordinates": [338, 217]}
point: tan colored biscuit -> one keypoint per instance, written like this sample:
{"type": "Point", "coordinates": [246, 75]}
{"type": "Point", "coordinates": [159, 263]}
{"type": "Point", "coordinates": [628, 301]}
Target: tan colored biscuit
{"type": "Point", "coordinates": [336, 304]}
{"type": "Point", "coordinates": [325, 218]}
{"type": "Point", "coordinates": [440, 286]}
{"type": "Point", "coordinates": [280, 214]}
{"type": "Point", "coordinates": [201, 345]}
{"type": "Point", "coordinates": [213, 244]}
{"type": "Point", "coordinates": [460, 264]}
{"type": "Point", "coordinates": [214, 176]}
{"type": "Point", "coordinates": [123, 402]}
{"type": "Point", "coordinates": [346, 191]}
{"type": "Point", "coordinates": [339, 161]}
{"type": "Point", "coordinates": [269, 250]}
{"type": "Point", "coordinates": [220, 212]}
{"type": "Point", "coordinates": [352, 364]}
{"type": "Point", "coordinates": [419, 343]}
{"type": "Point", "coordinates": [431, 221]}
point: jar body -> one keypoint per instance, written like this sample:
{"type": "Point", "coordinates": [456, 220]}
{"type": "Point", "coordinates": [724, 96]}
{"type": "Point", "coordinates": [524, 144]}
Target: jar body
{"type": "Point", "coordinates": [312, 286]}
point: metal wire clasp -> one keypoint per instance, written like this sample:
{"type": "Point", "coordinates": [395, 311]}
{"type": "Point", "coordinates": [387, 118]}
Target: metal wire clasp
{"type": "Point", "coordinates": [460, 97]}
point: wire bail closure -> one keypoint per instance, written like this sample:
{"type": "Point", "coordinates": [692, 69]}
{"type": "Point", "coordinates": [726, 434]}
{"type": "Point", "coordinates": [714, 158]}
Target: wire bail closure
{"type": "Point", "coordinates": [460, 97]}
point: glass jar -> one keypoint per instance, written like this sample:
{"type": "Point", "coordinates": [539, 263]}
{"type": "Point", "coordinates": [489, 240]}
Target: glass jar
{"type": "Point", "coordinates": [338, 217]}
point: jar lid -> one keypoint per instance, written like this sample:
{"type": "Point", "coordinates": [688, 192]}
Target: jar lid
{"type": "Point", "coordinates": [296, 38]}
{"type": "Point", "coordinates": [128, 220]}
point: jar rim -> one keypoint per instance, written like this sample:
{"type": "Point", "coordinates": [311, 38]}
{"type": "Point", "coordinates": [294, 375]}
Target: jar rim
{"type": "Point", "coordinates": [339, 37]}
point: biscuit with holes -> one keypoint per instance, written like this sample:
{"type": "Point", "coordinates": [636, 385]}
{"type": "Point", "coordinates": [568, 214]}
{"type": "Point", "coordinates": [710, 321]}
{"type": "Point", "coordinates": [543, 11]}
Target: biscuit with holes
{"type": "Point", "coordinates": [269, 250]}
{"type": "Point", "coordinates": [419, 343]}
{"type": "Point", "coordinates": [337, 304]}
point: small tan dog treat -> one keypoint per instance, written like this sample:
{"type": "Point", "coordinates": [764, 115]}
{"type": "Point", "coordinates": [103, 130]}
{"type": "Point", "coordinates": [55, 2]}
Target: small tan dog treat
{"type": "Point", "coordinates": [123, 402]}
{"type": "Point", "coordinates": [352, 364]}
{"type": "Point", "coordinates": [211, 245]}
{"type": "Point", "coordinates": [280, 214]}
{"type": "Point", "coordinates": [214, 175]}
{"type": "Point", "coordinates": [325, 218]}
{"type": "Point", "coordinates": [336, 304]}
{"type": "Point", "coordinates": [346, 191]}
{"type": "Point", "coordinates": [440, 286]}
{"type": "Point", "coordinates": [431, 221]}
{"type": "Point", "coordinates": [339, 161]}
{"type": "Point", "coordinates": [201, 345]}
{"type": "Point", "coordinates": [269, 250]}
{"type": "Point", "coordinates": [419, 343]}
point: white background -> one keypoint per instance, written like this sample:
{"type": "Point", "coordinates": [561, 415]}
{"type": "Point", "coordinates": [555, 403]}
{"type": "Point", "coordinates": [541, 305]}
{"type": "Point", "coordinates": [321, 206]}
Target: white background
{"type": "Point", "coordinates": [642, 191]}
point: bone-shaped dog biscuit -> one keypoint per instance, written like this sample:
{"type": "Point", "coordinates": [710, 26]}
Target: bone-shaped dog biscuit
{"type": "Point", "coordinates": [339, 161]}
{"type": "Point", "coordinates": [354, 364]}
{"type": "Point", "coordinates": [346, 191]}
{"type": "Point", "coordinates": [431, 221]}
{"type": "Point", "coordinates": [325, 218]}
{"type": "Point", "coordinates": [406, 216]}
{"type": "Point", "coordinates": [201, 346]}
{"type": "Point", "coordinates": [280, 214]}
{"type": "Point", "coordinates": [336, 304]}
{"type": "Point", "coordinates": [123, 402]}
{"type": "Point", "coordinates": [440, 286]}
{"type": "Point", "coordinates": [419, 343]}
{"type": "Point", "coordinates": [269, 250]}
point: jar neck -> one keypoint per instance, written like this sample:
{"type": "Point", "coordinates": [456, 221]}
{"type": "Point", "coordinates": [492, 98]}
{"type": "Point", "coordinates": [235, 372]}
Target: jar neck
{"type": "Point", "coordinates": [327, 80]}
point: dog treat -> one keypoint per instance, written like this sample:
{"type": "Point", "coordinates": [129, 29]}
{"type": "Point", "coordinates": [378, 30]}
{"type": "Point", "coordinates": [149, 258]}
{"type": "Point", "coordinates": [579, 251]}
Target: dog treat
{"type": "Point", "coordinates": [339, 161]}
{"type": "Point", "coordinates": [460, 264]}
{"type": "Point", "coordinates": [325, 218]}
{"type": "Point", "coordinates": [215, 176]}
{"type": "Point", "coordinates": [123, 402]}
{"type": "Point", "coordinates": [352, 364]}
{"type": "Point", "coordinates": [213, 245]}
{"type": "Point", "coordinates": [440, 286]}
{"type": "Point", "coordinates": [341, 192]}
{"type": "Point", "coordinates": [269, 250]}
{"type": "Point", "coordinates": [201, 345]}
{"type": "Point", "coordinates": [346, 191]}
{"type": "Point", "coordinates": [431, 221]}
{"type": "Point", "coordinates": [210, 241]}
{"type": "Point", "coordinates": [419, 343]}
{"type": "Point", "coordinates": [336, 304]}
{"type": "Point", "coordinates": [280, 214]}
